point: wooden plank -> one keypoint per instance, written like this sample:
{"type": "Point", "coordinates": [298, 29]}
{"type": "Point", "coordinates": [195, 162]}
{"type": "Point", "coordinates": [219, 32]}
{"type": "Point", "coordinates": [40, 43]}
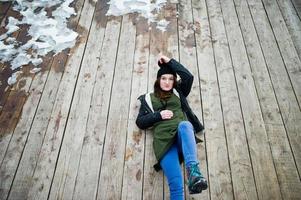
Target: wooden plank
{"type": "Point", "coordinates": [27, 158]}
{"type": "Point", "coordinates": [4, 8]}
{"type": "Point", "coordinates": [153, 181]}
{"type": "Point", "coordinates": [110, 181]}
{"type": "Point", "coordinates": [285, 95]}
{"type": "Point", "coordinates": [42, 177]}
{"type": "Point", "coordinates": [5, 73]}
{"type": "Point", "coordinates": [187, 51]}
{"type": "Point", "coordinates": [19, 135]}
{"type": "Point", "coordinates": [132, 186]}
{"type": "Point", "coordinates": [21, 36]}
{"type": "Point", "coordinates": [5, 70]}
{"type": "Point", "coordinates": [64, 180]}
{"type": "Point", "coordinates": [16, 95]}
{"type": "Point", "coordinates": [240, 164]}
{"type": "Point", "coordinates": [219, 175]}
{"type": "Point", "coordinates": [286, 46]}
{"type": "Point", "coordinates": [297, 5]}
{"type": "Point", "coordinates": [260, 153]}
{"type": "Point", "coordinates": [15, 149]}
{"type": "Point", "coordinates": [284, 162]}
{"type": "Point", "coordinates": [12, 113]}
{"type": "Point", "coordinates": [293, 23]}
{"type": "Point", "coordinates": [92, 150]}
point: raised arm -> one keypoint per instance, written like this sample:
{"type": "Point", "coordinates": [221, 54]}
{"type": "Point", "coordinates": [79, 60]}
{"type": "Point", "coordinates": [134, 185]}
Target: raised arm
{"type": "Point", "coordinates": [186, 81]}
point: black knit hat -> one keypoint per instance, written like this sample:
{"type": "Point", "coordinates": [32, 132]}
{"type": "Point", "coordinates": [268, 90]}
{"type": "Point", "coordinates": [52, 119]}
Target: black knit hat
{"type": "Point", "coordinates": [165, 69]}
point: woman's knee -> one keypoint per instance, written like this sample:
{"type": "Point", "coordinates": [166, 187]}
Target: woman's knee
{"type": "Point", "coordinates": [185, 125]}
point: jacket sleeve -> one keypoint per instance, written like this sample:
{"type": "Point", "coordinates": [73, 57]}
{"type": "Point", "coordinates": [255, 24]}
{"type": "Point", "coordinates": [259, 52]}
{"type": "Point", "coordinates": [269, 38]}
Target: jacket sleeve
{"type": "Point", "coordinates": [186, 81]}
{"type": "Point", "coordinates": [146, 119]}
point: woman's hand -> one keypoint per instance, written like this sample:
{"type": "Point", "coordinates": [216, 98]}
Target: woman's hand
{"type": "Point", "coordinates": [166, 114]}
{"type": "Point", "coordinates": [163, 59]}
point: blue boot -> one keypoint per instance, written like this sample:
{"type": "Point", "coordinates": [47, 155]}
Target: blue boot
{"type": "Point", "coordinates": [196, 180]}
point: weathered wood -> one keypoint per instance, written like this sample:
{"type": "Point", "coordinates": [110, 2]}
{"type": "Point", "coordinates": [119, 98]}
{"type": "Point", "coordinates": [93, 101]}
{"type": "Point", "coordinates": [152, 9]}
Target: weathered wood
{"type": "Point", "coordinates": [19, 135]}
{"type": "Point", "coordinates": [132, 185]}
{"type": "Point", "coordinates": [4, 8]}
{"type": "Point", "coordinates": [219, 175]}
{"type": "Point", "coordinates": [284, 91]}
{"type": "Point", "coordinates": [45, 168]}
{"type": "Point", "coordinates": [259, 149]}
{"type": "Point", "coordinates": [36, 134]}
{"type": "Point", "coordinates": [293, 23]}
{"type": "Point", "coordinates": [21, 36]}
{"type": "Point", "coordinates": [14, 98]}
{"type": "Point", "coordinates": [5, 71]}
{"type": "Point", "coordinates": [153, 181]}
{"type": "Point", "coordinates": [187, 52]}
{"type": "Point", "coordinates": [240, 163]}
{"type": "Point", "coordinates": [75, 136]}
{"type": "Point", "coordinates": [111, 174]}
{"type": "Point", "coordinates": [87, 182]}
{"type": "Point", "coordinates": [288, 52]}
{"type": "Point", "coordinates": [284, 162]}
{"type": "Point", "coordinates": [297, 5]}
{"type": "Point", "coordinates": [6, 134]}
{"type": "Point", "coordinates": [31, 126]}
{"type": "Point", "coordinates": [11, 113]}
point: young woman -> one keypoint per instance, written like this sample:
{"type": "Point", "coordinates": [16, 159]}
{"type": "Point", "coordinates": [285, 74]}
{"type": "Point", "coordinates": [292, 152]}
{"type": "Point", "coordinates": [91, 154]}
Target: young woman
{"type": "Point", "coordinates": [174, 125]}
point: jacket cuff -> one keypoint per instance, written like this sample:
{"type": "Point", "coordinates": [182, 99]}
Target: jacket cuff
{"type": "Point", "coordinates": [158, 116]}
{"type": "Point", "coordinates": [171, 62]}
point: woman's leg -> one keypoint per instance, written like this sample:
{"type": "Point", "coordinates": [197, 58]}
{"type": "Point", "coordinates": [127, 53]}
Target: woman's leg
{"type": "Point", "coordinates": [186, 142]}
{"type": "Point", "coordinates": [172, 170]}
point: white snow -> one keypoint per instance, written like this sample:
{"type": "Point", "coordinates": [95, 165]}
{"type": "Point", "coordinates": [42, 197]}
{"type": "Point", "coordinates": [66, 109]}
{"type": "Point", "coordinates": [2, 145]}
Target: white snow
{"type": "Point", "coordinates": [13, 79]}
{"type": "Point", "coordinates": [35, 70]}
{"type": "Point", "coordinates": [47, 33]}
{"type": "Point", "coordinates": [146, 8]}
{"type": "Point", "coordinates": [162, 24]}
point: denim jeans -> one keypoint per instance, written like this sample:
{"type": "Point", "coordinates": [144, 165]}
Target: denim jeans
{"type": "Point", "coordinates": [170, 162]}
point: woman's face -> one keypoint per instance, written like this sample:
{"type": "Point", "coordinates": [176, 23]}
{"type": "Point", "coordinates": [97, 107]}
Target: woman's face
{"type": "Point", "coordinates": [166, 82]}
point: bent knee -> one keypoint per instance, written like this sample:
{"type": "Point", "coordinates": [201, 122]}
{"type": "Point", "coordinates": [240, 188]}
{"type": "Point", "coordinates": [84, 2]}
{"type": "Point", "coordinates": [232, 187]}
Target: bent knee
{"type": "Point", "coordinates": [185, 125]}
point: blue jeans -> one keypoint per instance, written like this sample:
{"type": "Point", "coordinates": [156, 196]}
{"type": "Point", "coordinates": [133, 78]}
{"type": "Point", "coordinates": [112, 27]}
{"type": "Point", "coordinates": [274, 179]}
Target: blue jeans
{"type": "Point", "coordinates": [170, 162]}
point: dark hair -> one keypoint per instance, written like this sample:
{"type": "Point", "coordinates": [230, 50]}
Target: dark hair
{"type": "Point", "coordinates": [161, 94]}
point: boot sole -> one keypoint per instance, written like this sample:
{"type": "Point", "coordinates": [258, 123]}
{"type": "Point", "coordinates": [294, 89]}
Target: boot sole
{"type": "Point", "coordinates": [198, 187]}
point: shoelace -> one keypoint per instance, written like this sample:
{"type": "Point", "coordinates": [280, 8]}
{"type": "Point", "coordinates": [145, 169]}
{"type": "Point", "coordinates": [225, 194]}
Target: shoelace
{"type": "Point", "coordinates": [195, 171]}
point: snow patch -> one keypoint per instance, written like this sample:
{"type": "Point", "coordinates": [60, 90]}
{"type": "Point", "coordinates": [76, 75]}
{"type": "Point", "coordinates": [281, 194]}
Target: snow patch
{"type": "Point", "coordinates": [148, 9]}
{"type": "Point", "coordinates": [13, 79]}
{"type": "Point", "coordinates": [46, 33]}
{"type": "Point", "coordinates": [162, 24]}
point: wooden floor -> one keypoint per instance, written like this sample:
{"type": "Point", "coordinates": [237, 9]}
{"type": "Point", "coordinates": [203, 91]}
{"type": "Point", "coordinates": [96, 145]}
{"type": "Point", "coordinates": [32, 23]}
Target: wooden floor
{"type": "Point", "coordinates": [69, 132]}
